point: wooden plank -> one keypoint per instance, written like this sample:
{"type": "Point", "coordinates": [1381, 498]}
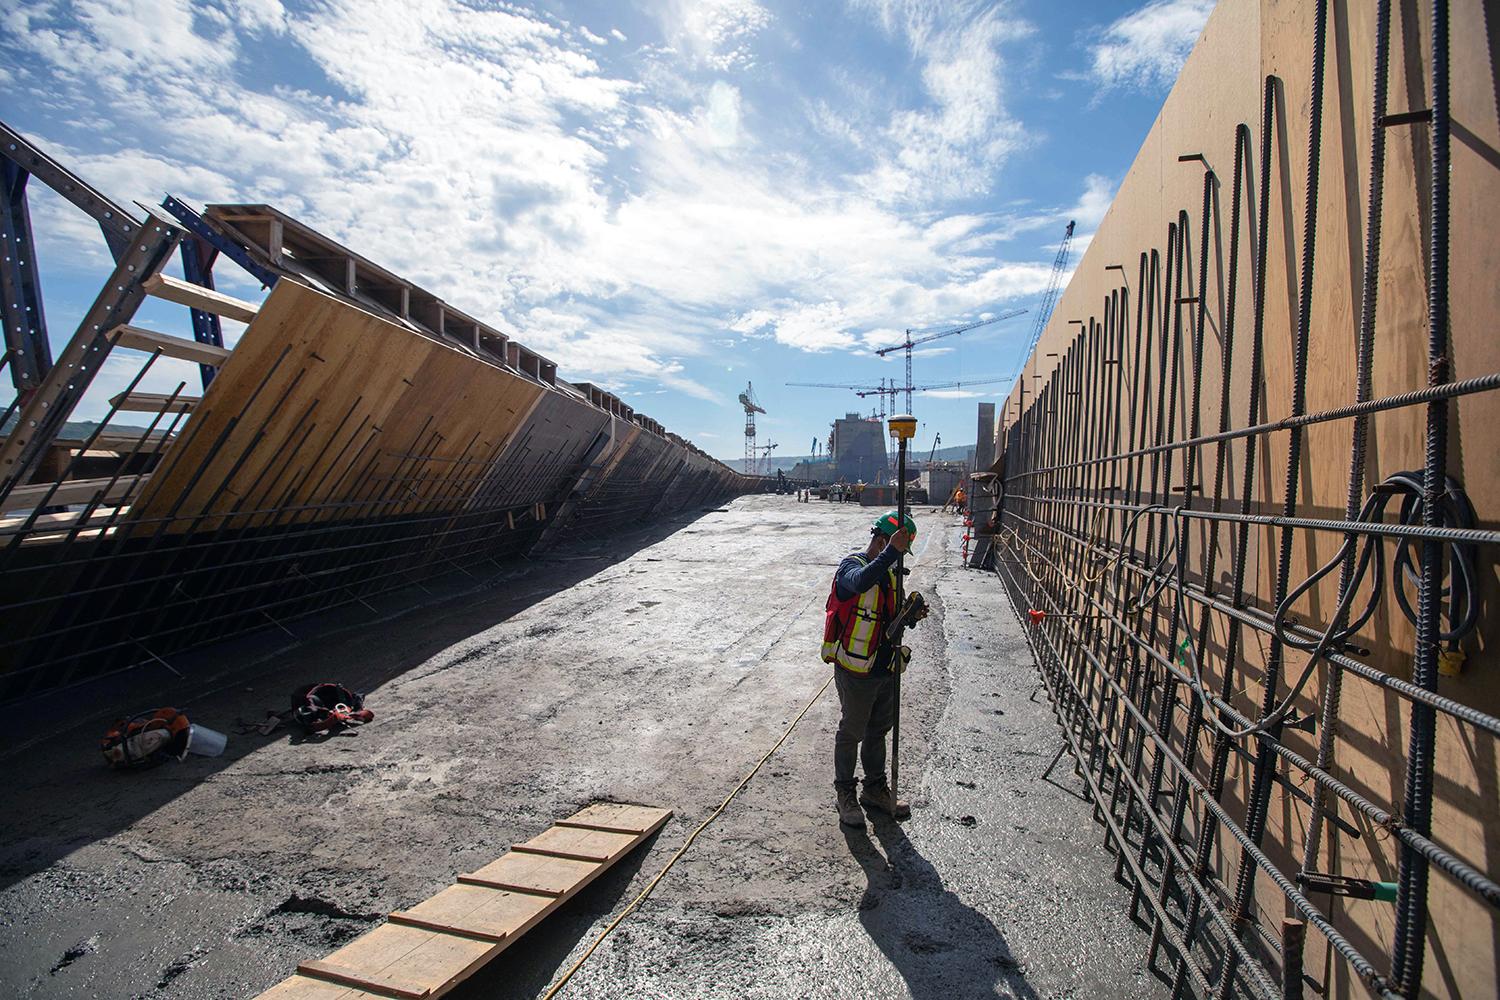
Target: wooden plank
{"type": "Point", "coordinates": [617, 817]}
{"type": "Point", "coordinates": [154, 402]}
{"type": "Point", "coordinates": [73, 491]}
{"type": "Point", "coordinates": [532, 873]}
{"type": "Point", "coordinates": [477, 911]}
{"type": "Point", "coordinates": [578, 845]}
{"type": "Point", "coordinates": [173, 347]}
{"type": "Point", "coordinates": [197, 297]}
{"type": "Point", "coordinates": [409, 962]}
{"type": "Point", "coordinates": [121, 440]}
{"type": "Point", "coordinates": [301, 987]}
{"type": "Point", "coordinates": [428, 949]}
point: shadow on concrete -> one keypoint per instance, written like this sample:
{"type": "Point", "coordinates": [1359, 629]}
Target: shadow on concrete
{"type": "Point", "coordinates": [61, 796]}
{"type": "Point", "coordinates": [942, 947]}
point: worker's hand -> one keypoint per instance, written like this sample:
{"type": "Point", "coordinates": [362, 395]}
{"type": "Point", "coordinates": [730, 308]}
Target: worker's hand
{"type": "Point", "coordinates": [901, 541]}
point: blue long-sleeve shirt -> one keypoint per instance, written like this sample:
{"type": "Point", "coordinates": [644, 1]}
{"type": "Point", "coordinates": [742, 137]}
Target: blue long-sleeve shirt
{"type": "Point", "coordinates": [853, 578]}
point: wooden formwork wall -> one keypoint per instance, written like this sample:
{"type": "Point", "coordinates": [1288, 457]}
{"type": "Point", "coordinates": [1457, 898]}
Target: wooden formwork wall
{"type": "Point", "coordinates": [1220, 88]}
{"type": "Point", "coordinates": [335, 455]}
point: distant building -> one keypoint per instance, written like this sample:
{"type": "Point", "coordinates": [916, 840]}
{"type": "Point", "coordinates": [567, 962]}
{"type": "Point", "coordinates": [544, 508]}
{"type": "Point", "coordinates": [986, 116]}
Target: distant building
{"type": "Point", "coordinates": [857, 453]}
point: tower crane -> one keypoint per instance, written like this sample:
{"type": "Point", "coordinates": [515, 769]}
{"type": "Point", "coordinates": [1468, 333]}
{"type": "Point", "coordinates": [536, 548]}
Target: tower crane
{"type": "Point", "coordinates": [963, 383]}
{"type": "Point", "coordinates": [752, 407]}
{"type": "Point", "coordinates": [909, 343]}
{"type": "Point", "coordinates": [763, 454]}
{"type": "Point", "coordinates": [882, 390]}
{"type": "Point", "coordinates": [937, 439]}
{"type": "Point", "coordinates": [1049, 297]}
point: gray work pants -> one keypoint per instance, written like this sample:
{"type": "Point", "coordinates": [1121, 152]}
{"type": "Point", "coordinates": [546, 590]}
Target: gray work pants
{"type": "Point", "coordinates": [868, 709]}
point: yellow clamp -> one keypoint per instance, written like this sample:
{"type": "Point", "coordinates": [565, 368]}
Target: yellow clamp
{"type": "Point", "coordinates": [1451, 662]}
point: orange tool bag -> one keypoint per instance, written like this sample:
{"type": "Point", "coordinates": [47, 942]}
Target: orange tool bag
{"type": "Point", "coordinates": [146, 740]}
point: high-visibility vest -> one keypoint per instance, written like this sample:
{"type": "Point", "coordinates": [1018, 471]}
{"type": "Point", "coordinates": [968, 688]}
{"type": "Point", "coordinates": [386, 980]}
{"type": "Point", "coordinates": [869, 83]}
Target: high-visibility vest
{"type": "Point", "coordinates": [852, 628]}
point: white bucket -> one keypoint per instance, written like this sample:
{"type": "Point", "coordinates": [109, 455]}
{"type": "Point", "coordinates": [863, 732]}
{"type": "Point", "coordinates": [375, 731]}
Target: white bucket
{"type": "Point", "coordinates": [205, 742]}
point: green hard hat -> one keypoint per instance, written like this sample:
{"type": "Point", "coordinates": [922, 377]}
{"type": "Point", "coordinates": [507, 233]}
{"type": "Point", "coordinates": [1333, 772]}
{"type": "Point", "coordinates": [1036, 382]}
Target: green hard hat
{"type": "Point", "coordinates": [889, 522]}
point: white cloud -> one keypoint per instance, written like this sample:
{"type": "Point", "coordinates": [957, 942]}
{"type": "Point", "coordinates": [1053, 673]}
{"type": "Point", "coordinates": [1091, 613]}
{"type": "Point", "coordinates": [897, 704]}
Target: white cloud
{"type": "Point", "coordinates": [717, 33]}
{"type": "Point", "coordinates": [1098, 195]}
{"type": "Point", "coordinates": [1146, 48]}
{"type": "Point", "coordinates": [624, 226]}
{"type": "Point", "coordinates": [956, 394]}
{"type": "Point", "coordinates": [591, 37]}
{"type": "Point", "coordinates": [954, 143]}
{"type": "Point", "coordinates": [618, 34]}
{"type": "Point", "coordinates": [816, 327]}
{"type": "Point", "coordinates": [721, 114]}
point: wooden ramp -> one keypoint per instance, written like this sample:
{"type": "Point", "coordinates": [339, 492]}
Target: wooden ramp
{"type": "Point", "coordinates": [431, 948]}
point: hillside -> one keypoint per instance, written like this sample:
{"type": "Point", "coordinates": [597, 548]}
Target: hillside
{"type": "Point", "coordinates": [958, 453]}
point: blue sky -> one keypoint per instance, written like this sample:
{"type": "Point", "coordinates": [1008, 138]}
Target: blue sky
{"type": "Point", "coordinates": [668, 198]}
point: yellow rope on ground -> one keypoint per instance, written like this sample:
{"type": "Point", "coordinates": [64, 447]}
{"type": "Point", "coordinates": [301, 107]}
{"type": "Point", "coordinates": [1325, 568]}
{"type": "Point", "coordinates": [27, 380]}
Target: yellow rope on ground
{"type": "Point", "coordinates": [683, 849]}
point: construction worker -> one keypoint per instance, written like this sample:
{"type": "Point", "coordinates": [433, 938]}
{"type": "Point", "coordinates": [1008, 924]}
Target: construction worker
{"type": "Point", "coordinates": [861, 604]}
{"type": "Point", "coordinates": [956, 501]}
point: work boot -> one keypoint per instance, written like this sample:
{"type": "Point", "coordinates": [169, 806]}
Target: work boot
{"type": "Point", "coordinates": [880, 797]}
{"type": "Point", "coordinates": [850, 814]}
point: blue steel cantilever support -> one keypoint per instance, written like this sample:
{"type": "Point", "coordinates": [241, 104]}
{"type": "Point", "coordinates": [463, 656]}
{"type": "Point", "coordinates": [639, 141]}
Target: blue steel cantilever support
{"type": "Point", "coordinates": [195, 224]}
{"type": "Point", "coordinates": [20, 284]}
{"type": "Point", "coordinates": [198, 267]}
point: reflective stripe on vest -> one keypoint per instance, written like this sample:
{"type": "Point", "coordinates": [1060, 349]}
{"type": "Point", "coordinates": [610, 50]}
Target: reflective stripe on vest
{"type": "Point", "coordinates": [855, 649]}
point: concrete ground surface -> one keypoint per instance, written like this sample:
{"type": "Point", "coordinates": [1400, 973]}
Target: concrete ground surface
{"type": "Point", "coordinates": [653, 668]}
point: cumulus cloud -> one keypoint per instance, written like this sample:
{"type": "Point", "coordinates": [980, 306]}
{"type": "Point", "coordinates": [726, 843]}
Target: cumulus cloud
{"type": "Point", "coordinates": [631, 226]}
{"type": "Point", "coordinates": [1146, 48]}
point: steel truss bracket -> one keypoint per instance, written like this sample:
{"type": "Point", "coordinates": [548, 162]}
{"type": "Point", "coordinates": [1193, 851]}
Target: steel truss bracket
{"type": "Point", "coordinates": [198, 267]}
{"type": "Point", "coordinates": [48, 408]}
{"type": "Point", "coordinates": [189, 219]}
{"type": "Point", "coordinates": [21, 312]}
{"type": "Point", "coordinates": [119, 226]}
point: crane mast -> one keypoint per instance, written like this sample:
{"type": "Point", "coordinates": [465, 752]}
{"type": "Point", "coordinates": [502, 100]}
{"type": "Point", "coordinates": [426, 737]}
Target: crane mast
{"type": "Point", "coordinates": [1049, 297]}
{"type": "Point", "coordinates": [752, 407]}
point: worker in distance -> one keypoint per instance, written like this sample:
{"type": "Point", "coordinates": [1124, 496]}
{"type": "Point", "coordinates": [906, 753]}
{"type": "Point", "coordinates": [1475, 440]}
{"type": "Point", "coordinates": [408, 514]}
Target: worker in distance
{"type": "Point", "coordinates": [857, 640]}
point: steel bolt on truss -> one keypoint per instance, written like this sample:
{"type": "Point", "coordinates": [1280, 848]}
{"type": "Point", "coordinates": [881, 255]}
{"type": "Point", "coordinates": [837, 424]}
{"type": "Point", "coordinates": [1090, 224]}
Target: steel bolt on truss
{"type": "Point", "coordinates": [1113, 515]}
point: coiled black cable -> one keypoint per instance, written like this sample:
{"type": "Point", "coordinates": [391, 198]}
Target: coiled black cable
{"type": "Point", "coordinates": [1454, 510]}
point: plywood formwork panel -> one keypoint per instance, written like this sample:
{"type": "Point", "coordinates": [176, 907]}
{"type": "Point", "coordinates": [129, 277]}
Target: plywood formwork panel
{"type": "Point", "coordinates": [332, 410]}
{"type": "Point", "coordinates": [1220, 88]}
{"type": "Point", "coordinates": [541, 460]}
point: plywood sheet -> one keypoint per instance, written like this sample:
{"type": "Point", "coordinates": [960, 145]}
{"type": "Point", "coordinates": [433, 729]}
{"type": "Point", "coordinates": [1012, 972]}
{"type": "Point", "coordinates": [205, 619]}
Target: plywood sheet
{"type": "Point", "coordinates": [533, 873]}
{"type": "Point", "coordinates": [1220, 87]}
{"type": "Point", "coordinates": [324, 411]}
{"type": "Point", "coordinates": [478, 911]}
{"type": "Point", "coordinates": [430, 948]}
{"type": "Point", "coordinates": [580, 845]}
{"type": "Point", "coordinates": [617, 817]}
{"type": "Point", "coordinates": [307, 988]}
